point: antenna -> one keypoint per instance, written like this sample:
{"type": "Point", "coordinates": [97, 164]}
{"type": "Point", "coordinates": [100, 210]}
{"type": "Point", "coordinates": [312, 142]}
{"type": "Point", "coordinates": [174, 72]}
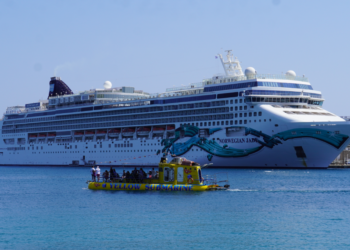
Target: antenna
{"type": "Point", "coordinates": [232, 66]}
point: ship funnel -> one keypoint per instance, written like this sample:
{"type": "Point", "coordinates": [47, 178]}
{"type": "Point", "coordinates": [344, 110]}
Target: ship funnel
{"type": "Point", "coordinates": [58, 87]}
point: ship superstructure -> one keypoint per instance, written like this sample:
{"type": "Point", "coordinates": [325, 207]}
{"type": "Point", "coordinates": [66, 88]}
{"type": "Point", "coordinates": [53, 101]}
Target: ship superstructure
{"type": "Point", "coordinates": [232, 120]}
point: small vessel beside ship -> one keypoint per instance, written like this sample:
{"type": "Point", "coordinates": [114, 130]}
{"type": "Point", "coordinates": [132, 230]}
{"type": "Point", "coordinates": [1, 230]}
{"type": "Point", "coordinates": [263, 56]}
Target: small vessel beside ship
{"type": "Point", "coordinates": [177, 175]}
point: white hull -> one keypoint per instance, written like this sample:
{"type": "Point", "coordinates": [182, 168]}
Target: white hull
{"type": "Point", "coordinates": [319, 154]}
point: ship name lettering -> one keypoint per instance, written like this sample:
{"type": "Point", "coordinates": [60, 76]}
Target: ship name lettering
{"type": "Point", "coordinates": [238, 140]}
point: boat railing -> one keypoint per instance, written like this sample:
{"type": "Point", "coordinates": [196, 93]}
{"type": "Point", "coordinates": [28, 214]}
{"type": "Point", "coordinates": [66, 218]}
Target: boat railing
{"type": "Point", "coordinates": [226, 79]}
{"type": "Point", "coordinates": [215, 179]}
{"type": "Point", "coordinates": [187, 87]}
{"type": "Point", "coordinates": [171, 93]}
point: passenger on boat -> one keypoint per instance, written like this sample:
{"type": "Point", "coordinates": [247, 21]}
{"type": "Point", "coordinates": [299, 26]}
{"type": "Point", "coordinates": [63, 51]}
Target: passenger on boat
{"type": "Point", "coordinates": [127, 176]}
{"type": "Point", "coordinates": [111, 174]}
{"type": "Point", "coordinates": [116, 175]}
{"type": "Point", "coordinates": [150, 174]}
{"type": "Point", "coordinates": [135, 175]}
{"type": "Point", "coordinates": [153, 173]}
{"type": "Point", "coordinates": [98, 172]}
{"type": "Point", "coordinates": [105, 176]}
{"type": "Point", "coordinates": [141, 175]}
{"type": "Point", "coordinates": [93, 173]}
{"type": "Point", "coordinates": [124, 174]}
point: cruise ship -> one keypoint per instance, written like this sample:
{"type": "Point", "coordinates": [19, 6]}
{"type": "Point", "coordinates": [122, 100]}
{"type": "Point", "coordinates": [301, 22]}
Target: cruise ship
{"type": "Point", "coordinates": [234, 119]}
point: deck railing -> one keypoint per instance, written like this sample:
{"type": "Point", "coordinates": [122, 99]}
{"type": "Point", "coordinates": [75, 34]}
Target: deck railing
{"type": "Point", "coordinates": [145, 100]}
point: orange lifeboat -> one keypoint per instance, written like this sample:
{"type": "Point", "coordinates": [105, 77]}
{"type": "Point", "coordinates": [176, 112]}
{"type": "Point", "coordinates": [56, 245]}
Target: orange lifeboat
{"type": "Point", "coordinates": [143, 131]}
{"type": "Point", "coordinates": [170, 127]}
{"type": "Point", "coordinates": [158, 130]}
{"type": "Point", "coordinates": [101, 132]}
{"type": "Point", "coordinates": [128, 132]}
{"type": "Point", "coordinates": [114, 132]}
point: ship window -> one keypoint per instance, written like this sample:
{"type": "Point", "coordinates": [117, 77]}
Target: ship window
{"type": "Point", "coordinates": [245, 114]}
{"type": "Point", "coordinates": [222, 122]}
{"type": "Point", "coordinates": [236, 108]}
{"type": "Point", "coordinates": [245, 121]}
{"type": "Point", "coordinates": [245, 107]}
{"type": "Point", "coordinates": [250, 114]}
{"type": "Point", "coordinates": [231, 101]}
{"type": "Point", "coordinates": [254, 113]}
{"type": "Point", "coordinates": [240, 121]}
{"type": "Point", "coordinates": [240, 115]}
{"type": "Point", "coordinates": [260, 113]}
{"type": "Point", "coordinates": [209, 124]}
{"type": "Point", "coordinates": [240, 107]}
{"type": "Point", "coordinates": [94, 146]}
{"type": "Point", "coordinates": [168, 174]}
{"type": "Point", "coordinates": [240, 100]}
{"type": "Point", "coordinates": [236, 101]}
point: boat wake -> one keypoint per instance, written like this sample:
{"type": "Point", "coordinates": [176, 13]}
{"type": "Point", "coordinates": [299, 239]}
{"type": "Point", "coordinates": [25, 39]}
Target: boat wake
{"type": "Point", "coordinates": [241, 190]}
{"type": "Point", "coordinates": [293, 191]}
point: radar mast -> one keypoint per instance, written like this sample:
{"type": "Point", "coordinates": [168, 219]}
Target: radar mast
{"type": "Point", "coordinates": [232, 66]}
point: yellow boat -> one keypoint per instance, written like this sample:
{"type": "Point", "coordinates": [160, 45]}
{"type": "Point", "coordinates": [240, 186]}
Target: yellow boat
{"type": "Point", "coordinates": [178, 175]}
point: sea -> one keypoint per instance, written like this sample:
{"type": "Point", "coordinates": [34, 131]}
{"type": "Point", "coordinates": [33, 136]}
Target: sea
{"type": "Point", "coordinates": [51, 208]}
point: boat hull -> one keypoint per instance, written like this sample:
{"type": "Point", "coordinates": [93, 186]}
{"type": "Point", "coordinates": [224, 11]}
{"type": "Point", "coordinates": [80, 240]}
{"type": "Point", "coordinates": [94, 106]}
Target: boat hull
{"type": "Point", "coordinates": [147, 187]}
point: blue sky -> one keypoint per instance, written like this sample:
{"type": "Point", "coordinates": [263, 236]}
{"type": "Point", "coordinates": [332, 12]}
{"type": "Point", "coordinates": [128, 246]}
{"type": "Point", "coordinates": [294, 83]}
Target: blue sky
{"type": "Point", "coordinates": [155, 44]}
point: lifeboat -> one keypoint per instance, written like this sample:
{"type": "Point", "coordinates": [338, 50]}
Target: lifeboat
{"type": "Point", "coordinates": [128, 132]}
{"type": "Point", "coordinates": [158, 130]}
{"type": "Point", "coordinates": [143, 131]}
{"type": "Point", "coordinates": [78, 133]}
{"type": "Point", "coordinates": [170, 127]}
{"type": "Point", "coordinates": [51, 134]}
{"type": "Point", "coordinates": [90, 132]}
{"type": "Point", "coordinates": [179, 175]}
{"type": "Point", "coordinates": [42, 135]}
{"type": "Point", "coordinates": [33, 136]}
{"type": "Point", "coordinates": [101, 132]}
{"type": "Point", "coordinates": [114, 132]}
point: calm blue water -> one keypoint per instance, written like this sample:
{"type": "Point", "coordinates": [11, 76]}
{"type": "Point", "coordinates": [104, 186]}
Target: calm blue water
{"type": "Point", "coordinates": [50, 208]}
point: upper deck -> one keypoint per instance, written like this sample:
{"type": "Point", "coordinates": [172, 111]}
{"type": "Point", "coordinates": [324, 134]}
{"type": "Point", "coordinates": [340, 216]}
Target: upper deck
{"type": "Point", "coordinates": [234, 83]}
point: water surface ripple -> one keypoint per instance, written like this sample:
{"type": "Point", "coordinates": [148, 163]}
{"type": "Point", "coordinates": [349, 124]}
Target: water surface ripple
{"type": "Point", "coordinates": [51, 208]}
